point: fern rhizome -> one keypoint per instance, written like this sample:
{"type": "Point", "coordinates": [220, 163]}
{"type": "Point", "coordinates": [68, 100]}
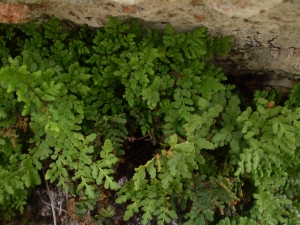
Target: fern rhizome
{"type": "Point", "coordinates": [72, 103]}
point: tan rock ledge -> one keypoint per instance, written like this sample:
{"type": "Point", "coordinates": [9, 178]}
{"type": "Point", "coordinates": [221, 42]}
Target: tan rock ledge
{"type": "Point", "coordinates": [265, 34]}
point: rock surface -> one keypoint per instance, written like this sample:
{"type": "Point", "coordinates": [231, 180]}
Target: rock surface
{"type": "Point", "coordinates": [19, 13]}
{"type": "Point", "coordinates": [265, 34]}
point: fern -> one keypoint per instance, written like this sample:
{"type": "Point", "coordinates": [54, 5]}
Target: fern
{"type": "Point", "coordinates": [237, 220]}
{"type": "Point", "coordinates": [72, 100]}
{"type": "Point", "coordinates": [293, 98]}
{"type": "Point", "coordinates": [208, 194]}
{"type": "Point", "coordinates": [167, 171]}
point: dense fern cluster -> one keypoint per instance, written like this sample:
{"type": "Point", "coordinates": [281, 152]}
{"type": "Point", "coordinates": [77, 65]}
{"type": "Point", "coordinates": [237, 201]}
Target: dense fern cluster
{"type": "Point", "coordinates": [70, 101]}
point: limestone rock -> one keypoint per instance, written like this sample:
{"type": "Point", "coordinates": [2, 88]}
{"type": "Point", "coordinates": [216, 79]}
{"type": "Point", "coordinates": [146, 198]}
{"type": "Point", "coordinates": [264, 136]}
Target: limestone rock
{"type": "Point", "coordinates": [19, 13]}
{"type": "Point", "coordinates": [241, 8]}
{"type": "Point", "coordinates": [265, 34]}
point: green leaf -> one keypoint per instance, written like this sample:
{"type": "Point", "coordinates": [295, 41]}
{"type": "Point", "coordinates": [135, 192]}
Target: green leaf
{"type": "Point", "coordinates": [151, 169]}
{"type": "Point", "coordinates": [9, 189]}
{"type": "Point", "coordinates": [138, 177]}
{"type": "Point", "coordinates": [202, 103]}
{"type": "Point", "coordinates": [186, 147]}
{"type": "Point", "coordinates": [107, 148]}
{"type": "Point", "coordinates": [173, 140]}
{"type": "Point", "coordinates": [90, 138]}
{"type": "Point", "coordinates": [249, 134]}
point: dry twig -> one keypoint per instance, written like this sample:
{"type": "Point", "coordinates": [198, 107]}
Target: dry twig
{"type": "Point", "coordinates": [51, 200]}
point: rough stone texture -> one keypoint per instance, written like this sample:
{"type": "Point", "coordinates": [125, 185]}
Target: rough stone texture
{"type": "Point", "coordinates": [19, 13]}
{"type": "Point", "coordinates": [265, 34]}
{"type": "Point", "coordinates": [241, 8]}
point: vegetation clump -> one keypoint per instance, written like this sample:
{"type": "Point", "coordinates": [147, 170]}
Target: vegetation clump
{"type": "Point", "coordinates": [71, 103]}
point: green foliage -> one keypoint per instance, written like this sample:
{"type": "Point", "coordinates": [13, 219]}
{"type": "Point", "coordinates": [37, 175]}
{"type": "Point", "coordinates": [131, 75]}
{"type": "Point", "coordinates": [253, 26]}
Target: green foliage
{"type": "Point", "coordinates": [72, 101]}
{"type": "Point", "coordinates": [236, 221]}
{"type": "Point", "coordinates": [293, 101]}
